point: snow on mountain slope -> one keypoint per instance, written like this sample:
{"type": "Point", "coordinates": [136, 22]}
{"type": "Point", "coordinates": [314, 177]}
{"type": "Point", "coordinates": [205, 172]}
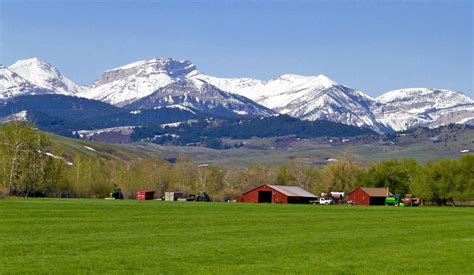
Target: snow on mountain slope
{"type": "Point", "coordinates": [337, 103]}
{"type": "Point", "coordinates": [260, 90]}
{"type": "Point", "coordinates": [46, 76]}
{"type": "Point", "coordinates": [20, 116]}
{"type": "Point", "coordinates": [405, 108]}
{"type": "Point", "coordinates": [422, 99]}
{"type": "Point", "coordinates": [177, 106]}
{"type": "Point", "coordinates": [248, 87]}
{"type": "Point", "coordinates": [396, 118]}
{"type": "Point", "coordinates": [304, 97]}
{"type": "Point", "coordinates": [131, 82]}
{"type": "Point", "coordinates": [318, 97]}
{"type": "Point", "coordinates": [280, 91]}
{"type": "Point", "coordinates": [200, 96]}
{"type": "Point", "coordinates": [11, 85]}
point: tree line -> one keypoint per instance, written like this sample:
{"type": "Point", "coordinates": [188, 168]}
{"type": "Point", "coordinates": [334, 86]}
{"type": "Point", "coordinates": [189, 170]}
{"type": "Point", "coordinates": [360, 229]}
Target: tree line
{"type": "Point", "coordinates": [31, 165]}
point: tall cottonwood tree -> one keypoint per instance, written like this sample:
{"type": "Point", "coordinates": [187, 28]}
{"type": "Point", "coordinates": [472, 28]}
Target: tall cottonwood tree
{"type": "Point", "coordinates": [23, 151]}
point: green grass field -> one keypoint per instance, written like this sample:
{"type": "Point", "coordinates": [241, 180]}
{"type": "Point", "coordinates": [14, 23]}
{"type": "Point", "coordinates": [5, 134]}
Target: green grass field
{"type": "Point", "coordinates": [97, 236]}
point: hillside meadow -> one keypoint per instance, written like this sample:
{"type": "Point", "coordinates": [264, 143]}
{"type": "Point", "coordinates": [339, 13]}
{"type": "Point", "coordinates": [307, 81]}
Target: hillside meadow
{"type": "Point", "coordinates": [98, 236]}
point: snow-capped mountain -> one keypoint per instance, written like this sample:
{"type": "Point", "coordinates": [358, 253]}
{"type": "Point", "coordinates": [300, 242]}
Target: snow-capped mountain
{"type": "Point", "coordinates": [404, 108]}
{"type": "Point", "coordinates": [337, 103]}
{"type": "Point", "coordinates": [318, 97]}
{"type": "Point", "coordinates": [200, 96]}
{"type": "Point", "coordinates": [131, 82]}
{"type": "Point", "coordinates": [167, 82]}
{"type": "Point", "coordinates": [11, 85]}
{"type": "Point", "coordinates": [305, 97]}
{"type": "Point", "coordinates": [46, 76]}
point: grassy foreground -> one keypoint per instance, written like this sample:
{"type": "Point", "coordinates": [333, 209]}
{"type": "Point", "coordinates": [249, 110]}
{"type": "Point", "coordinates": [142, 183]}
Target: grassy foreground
{"type": "Point", "coordinates": [82, 235]}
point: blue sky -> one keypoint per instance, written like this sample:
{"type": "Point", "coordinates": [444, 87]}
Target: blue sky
{"type": "Point", "coordinates": [373, 46]}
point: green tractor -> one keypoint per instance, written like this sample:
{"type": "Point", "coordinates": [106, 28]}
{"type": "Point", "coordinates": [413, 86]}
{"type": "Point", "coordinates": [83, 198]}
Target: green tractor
{"type": "Point", "coordinates": [117, 194]}
{"type": "Point", "coordinates": [393, 200]}
{"type": "Point", "coordinates": [400, 200]}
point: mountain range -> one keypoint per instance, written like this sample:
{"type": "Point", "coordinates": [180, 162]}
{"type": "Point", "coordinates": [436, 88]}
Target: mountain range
{"type": "Point", "coordinates": [157, 83]}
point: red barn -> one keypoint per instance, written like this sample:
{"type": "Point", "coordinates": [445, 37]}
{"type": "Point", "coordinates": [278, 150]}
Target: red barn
{"type": "Point", "coordinates": [369, 196]}
{"type": "Point", "coordinates": [277, 194]}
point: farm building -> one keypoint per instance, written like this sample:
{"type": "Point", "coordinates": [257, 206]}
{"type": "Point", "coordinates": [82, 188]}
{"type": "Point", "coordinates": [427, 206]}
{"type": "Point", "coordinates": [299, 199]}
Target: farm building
{"type": "Point", "coordinates": [369, 196]}
{"type": "Point", "coordinates": [277, 194]}
{"type": "Point", "coordinates": [145, 195]}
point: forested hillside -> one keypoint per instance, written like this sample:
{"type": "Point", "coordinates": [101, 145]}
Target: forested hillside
{"type": "Point", "coordinates": [63, 115]}
{"type": "Point", "coordinates": [208, 132]}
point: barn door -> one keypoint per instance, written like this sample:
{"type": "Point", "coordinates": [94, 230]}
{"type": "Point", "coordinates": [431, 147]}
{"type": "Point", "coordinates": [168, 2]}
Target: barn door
{"type": "Point", "coordinates": [265, 196]}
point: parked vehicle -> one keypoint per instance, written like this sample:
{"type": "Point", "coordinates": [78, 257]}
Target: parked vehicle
{"type": "Point", "coordinates": [338, 197]}
{"type": "Point", "coordinates": [393, 200]}
{"type": "Point", "coordinates": [316, 201]}
{"type": "Point", "coordinates": [178, 196]}
{"type": "Point", "coordinates": [203, 196]}
{"type": "Point", "coordinates": [410, 200]}
{"type": "Point", "coordinates": [400, 200]}
{"type": "Point", "coordinates": [326, 201]}
{"type": "Point", "coordinates": [117, 194]}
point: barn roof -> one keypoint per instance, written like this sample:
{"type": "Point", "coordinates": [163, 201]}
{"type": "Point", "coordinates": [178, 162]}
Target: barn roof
{"type": "Point", "coordinates": [292, 191]}
{"type": "Point", "coordinates": [376, 192]}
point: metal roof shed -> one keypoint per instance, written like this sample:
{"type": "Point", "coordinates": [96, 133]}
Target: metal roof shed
{"type": "Point", "coordinates": [277, 194]}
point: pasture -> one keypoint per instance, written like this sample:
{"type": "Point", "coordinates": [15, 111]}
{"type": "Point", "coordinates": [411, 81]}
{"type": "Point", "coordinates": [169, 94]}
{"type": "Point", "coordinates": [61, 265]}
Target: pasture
{"type": "Point", "coordinates": [97, 236]}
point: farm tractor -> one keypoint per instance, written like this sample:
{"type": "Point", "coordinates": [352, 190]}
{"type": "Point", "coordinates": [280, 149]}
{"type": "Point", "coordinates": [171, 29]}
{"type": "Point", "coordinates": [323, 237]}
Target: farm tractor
{"type": "Point", "coordinates": [400, 200]}
{"type": "Point", "coordinates": [203, 196]}
{"type": "Point", "coordinates": [117, 194]}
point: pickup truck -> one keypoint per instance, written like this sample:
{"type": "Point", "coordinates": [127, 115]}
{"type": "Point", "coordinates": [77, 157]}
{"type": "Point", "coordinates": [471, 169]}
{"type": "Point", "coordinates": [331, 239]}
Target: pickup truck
{"type": "Point", "coordinates": [326, 201]}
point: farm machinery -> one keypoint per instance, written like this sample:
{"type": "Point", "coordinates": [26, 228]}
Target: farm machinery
{"type": "Point", "coordinates": [203, 196]}
{"type": "Point", "coordinates": [400, 200]}
{"type": "Point", "coordinates": [117, 194]}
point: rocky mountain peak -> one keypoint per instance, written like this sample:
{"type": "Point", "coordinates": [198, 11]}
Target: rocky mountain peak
{"type": "Point", "coordinates": [45, 76]}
